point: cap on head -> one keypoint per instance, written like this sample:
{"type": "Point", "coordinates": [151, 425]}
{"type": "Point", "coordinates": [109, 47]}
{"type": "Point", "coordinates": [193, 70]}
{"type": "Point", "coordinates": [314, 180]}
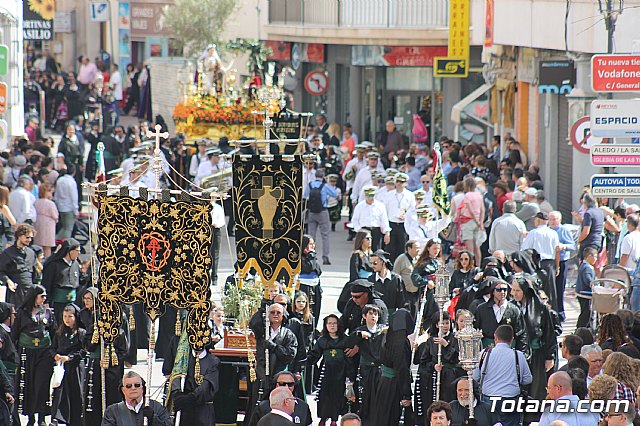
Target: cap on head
{"type": "Point", "coordinates": [542, 215]}
{"type": "Point", "coordinates": [402, 178]}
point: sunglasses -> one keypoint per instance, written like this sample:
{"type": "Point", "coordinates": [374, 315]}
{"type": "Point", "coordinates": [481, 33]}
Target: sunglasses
{"type": "Point", "coordinates": [289, 384]}
{"type": "Point", "coordinates": [358, 296]}
{"type": "Point", "coordinates": [501, 290]}
{"type": "Point", "coordinates": [368, 238]}
{"type": "Point", "coordinates": [375, 262]}
{"type": "Point", "coordinates": [133, 385]}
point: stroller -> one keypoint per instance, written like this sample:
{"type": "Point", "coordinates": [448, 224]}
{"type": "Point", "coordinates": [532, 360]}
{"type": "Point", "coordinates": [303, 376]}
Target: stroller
{"type": "Point", "coordinates": [607, 296]}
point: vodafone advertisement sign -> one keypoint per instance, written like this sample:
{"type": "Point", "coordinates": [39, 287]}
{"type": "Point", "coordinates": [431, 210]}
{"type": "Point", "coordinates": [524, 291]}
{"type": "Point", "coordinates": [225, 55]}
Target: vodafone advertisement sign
{"type": "Point", "coordinates": [615, 73]}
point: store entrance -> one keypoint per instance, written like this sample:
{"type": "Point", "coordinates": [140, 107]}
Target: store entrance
{"type": "Point", "coordinates": [399, 107]}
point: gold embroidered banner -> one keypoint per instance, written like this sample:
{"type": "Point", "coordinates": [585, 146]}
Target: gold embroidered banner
{"type": "Point", "coordinates": [157, 253]}
{"type": "Point", "coordinates": [267, 208]}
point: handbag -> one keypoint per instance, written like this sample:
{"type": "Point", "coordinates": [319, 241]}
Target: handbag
{"type": "Point", "coordinates": [450, 232]}
{"type": "Point", "coordinates": [58, 375]}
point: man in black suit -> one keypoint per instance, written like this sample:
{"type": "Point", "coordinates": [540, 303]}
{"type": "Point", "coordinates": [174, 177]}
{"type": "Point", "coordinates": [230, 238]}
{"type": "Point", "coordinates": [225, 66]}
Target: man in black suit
{"type": "Point", "coordinates": [282, 405]}
{"type": "Point", "coordinates": [498, 311]}
{"type": "Point", "coordinates": [460, 407]}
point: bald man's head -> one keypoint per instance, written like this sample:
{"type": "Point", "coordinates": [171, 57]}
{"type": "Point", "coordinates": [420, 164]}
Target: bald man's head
{"type": "Point", "coordinates": [559, 385]}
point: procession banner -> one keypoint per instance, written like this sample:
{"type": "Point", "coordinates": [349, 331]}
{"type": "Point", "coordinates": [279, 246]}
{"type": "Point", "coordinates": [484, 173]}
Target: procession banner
{"type": "Point", "coordinates": [267, 209]}
{"type": "Point", "coordinates": [157, 253]}
{"type": "Point", "coordinates": [287, 125]}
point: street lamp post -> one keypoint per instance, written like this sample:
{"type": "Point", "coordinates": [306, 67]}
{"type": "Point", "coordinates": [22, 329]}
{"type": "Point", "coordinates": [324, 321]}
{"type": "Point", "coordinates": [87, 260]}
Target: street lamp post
{"type": "Point", "coordinates": [470, 346]}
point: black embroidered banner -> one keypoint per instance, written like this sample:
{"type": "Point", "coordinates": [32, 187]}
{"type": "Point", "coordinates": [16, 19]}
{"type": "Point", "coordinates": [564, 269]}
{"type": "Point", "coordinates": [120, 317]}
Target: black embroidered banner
{"type": "Point", "coordinates": [267, 209]}
{"type": "Point", "coordinates": [157, 253]}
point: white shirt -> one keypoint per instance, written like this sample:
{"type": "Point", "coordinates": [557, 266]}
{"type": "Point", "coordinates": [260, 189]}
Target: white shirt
{"type": "Point", "coordinates": [217, 216]}
{"type": "Point", "coordinates": [136, 408]}
{"type": "Point", "coordinates": [507, 233]}
{"type": "Point", "coordinates": [206, 168]}
{"type": "Point", "coordinates": [423, 233]}
{"type": "Point", "coordinates": [282, 413]}
{"type": "Point", "coordinates": [544, 240]}
{"type": "Point", "coordinates": [631, 247]}
{"type": "Point", "coordinates": [67, 194]}
{"type": "Point", "coordinates": [398, 204]}
{"type": "Point", "coordinates": [363, 178]}
{"type": "Point", "coordinates": [116, 83]}
{"type": "Point", "coordinates": [386, 276]}
{"type": "Point", "coordinates": [370, 215]}
{"type": "Point", "coordinates": [21, 204]}
{"type": "Point", "coordinates": [196, 160]}
{"type": "Point", "coordinates": [499, 310]}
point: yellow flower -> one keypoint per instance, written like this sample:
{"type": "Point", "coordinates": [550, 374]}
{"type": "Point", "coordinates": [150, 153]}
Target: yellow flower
{"type": "Point", "coordinates": [36, 5]}
{"type": "Point", "coordinates": [48, 10]}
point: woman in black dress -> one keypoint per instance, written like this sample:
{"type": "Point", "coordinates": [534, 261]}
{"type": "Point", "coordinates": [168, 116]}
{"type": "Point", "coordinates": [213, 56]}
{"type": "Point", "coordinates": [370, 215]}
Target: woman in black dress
{"type": "Point", "coordinates": [32, 331]}
{"type": "Point", "coordinates": [423, 277]}
{"type": "Point", "coordinates": [360, 264]}
{"type": "Point", "coordinates": [67, 349]}
{"type": "Point", "coordinates": [465, 270]}
{"type": "Point", "coordinates": [302, 311]}
{"type": "Point", "coordinates": [335, 368]}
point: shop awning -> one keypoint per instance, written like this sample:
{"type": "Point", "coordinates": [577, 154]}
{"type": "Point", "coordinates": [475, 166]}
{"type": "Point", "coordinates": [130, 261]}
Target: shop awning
{"type": "Point", "coordinates": [456, 111]}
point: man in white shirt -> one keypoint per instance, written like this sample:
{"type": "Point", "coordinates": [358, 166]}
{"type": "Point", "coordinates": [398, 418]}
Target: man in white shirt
{"type": "Point", "coordinates": [426, 228]}
{"type": "Point", "coordinates": [363, 178]}
{"type": "Point", "coordinates": [371, 214]}
{"type": "Point", "coordinates": [507, 231]}
{"type": "Point", "coordinates": [67, 202]}
{"type": "Point", "coordinates": [115, 82]}
{"type": "Point", "coordinates": [630, 248]}
{"type": "Point", "coordinates": [545, 241]}
{"type": "Point", "coordinates": [21, 201]}
{"type": "Point", "coordinates": [398, 203]}
{"type": "Point", "coordinates": [214, 165]}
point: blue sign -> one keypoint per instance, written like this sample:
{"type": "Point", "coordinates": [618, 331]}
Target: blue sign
{"type": "Point", "coordinates": [613, 186]}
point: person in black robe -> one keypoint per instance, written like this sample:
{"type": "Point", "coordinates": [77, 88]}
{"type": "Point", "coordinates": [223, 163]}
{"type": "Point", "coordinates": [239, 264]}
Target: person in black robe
{"type": "Point", "coordinates": [386, 282]}
{"type": "Point", "coordinates": [295, 325]}
{"type": "Point", "coordinates": [450, 368]}
{"type": "Point", "coordinates": [68, 349]}
{"type": "Point", "coordinates": [541, 337]}
{"type": "Point", "coordinates": [282, 346]}
{"type": "Point", "coordinates": [92, 386]}
{"type": "Point", "coordinates": [195, 400]}
{"type": "Point", "coordinates": [486, 321]}
{"type": "Point", "coordinates": [32, 330]}
{"type": "Point", "coordinates": [8, 351]}
{"type": "Point", "coordinates": [18, 265]}
{"type": "Point", "coordinates": [61, 276]}
{"type": "Point", "coordinates": [368, 338]}
{"type": "Point", "coordinates": [423, 277]}
{"type": "Point", "coordinates": [310, 272]}
{"type": "Point", "coordinates": [460, 406]}
{"type": "Point", "coordinates": [394, 390]}
{"type": "Point", "coordinates": [302, 312]}
{"type": "Point", "coordinates": [362, 294]}
{"type": "Point", "coordinates": [335, 369]}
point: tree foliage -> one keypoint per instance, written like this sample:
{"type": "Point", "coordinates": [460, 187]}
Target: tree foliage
{"type": "Point", "coordinates": [197, 23]}
{"type": "Point", "coordinates": [258, 52]}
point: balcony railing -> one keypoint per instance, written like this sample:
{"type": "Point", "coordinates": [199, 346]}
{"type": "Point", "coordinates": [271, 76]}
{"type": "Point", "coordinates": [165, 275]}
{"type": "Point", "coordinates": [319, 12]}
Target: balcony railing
{"type": "Point", "coordinates": [361, 13]}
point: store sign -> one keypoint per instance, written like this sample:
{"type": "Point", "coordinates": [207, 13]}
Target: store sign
{"type": "Point", "coordinates": [313, 52]}
{"type": "Point", "coordinates": [4, 59]}
{"type": "Point", "coordinates": [280, 51]}
{"type": "Point", "coordinates": [614, 155]}
{"type": "Point", "coordinates": [37, 21]}
{"type": "Point", "coordinates": [619, 118]}
{"type": "Point", "coordinates": [558, 77]}
{"type": "Point", "coordinates": [396, 56]}
{"type": "Point", "coordinates": [613, 186]}
{"type": "Point", "coordinates": [99, 11]}
{"type": "Point", "coordinates": [447, 67]}
{"type": "Point", "coordinates": [3, 97]}
{"type": "Point", "coordinates": [615, 73]}
{"type": "Point", "coordinates": [456, 63]}
{"type": "Point", "coordinates": [146, 20]}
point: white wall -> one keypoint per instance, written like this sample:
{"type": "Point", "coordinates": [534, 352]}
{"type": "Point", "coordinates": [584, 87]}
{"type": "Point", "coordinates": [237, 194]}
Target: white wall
{"type": "Point", "coordinates": [541, 24]}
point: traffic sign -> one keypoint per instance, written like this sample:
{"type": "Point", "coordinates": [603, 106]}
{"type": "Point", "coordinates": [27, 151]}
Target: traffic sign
{"type": "Point", "coordinates": [581, 137]}
{"type": "Point", "coordinates": [99, 11]}
{"type": "Point", "coordinates": [316, 83]}
{"type": "Point", "coordinates": [612, 186]}
{"type": "Point", "coordinates": [615, 73]}
{"type": "Point", "coordinates": [296, 56]}
{"type": "Point", "coordinates": [615, 155]}
{"type": "Point", "coordinates": [450, 67]}
{"type": "Point", "coordinates": [615, 118]}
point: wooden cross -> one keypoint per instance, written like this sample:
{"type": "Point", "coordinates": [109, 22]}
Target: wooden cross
{"type": "Point", "coordinates": [154, 247]}
{"type": "Point", "coordinates": [268, 198]}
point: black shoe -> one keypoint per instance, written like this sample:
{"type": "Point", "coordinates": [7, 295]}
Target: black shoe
{"type": "Point", "coordinates": [350, 237]}
{"type": "Point", "coordinates": [333, 227]}
{"type": "Point", "coordinates": [325, 260]}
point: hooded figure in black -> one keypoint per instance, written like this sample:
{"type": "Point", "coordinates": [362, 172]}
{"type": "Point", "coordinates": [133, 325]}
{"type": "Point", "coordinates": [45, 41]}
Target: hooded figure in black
{"type": "Point", "coordinates": [32, 329]}
{"type": "Point", "coordinates": [472, 296]}
{"type": "Point", "coordinates": [541, 337]}
{"type": "Point", "coordinates": [67, 348]}
{"type": "Point", "coordinates": [394, 387]}
{"type": "Point", "coordinates": [362, 294]}
{"type": "Point", "coordinates": [92, 388]}
{"type": "Point", "coordinates": [61, 276]}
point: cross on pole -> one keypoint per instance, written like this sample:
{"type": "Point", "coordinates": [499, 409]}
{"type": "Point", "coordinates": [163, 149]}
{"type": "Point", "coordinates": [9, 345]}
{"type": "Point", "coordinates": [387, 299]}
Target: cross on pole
{"type": "Point", "coordinates": [157, 161]}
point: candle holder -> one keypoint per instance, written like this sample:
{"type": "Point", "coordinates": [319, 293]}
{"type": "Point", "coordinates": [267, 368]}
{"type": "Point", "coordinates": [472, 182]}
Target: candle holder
{"type": "Point", "coordinates": [470, 347]}
{"type": "Point", "coordinates": [441, 296]}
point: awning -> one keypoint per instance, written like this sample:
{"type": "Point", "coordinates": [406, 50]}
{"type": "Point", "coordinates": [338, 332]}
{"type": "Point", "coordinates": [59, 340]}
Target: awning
{"type": "Point", "coordinates": [456, 111]}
